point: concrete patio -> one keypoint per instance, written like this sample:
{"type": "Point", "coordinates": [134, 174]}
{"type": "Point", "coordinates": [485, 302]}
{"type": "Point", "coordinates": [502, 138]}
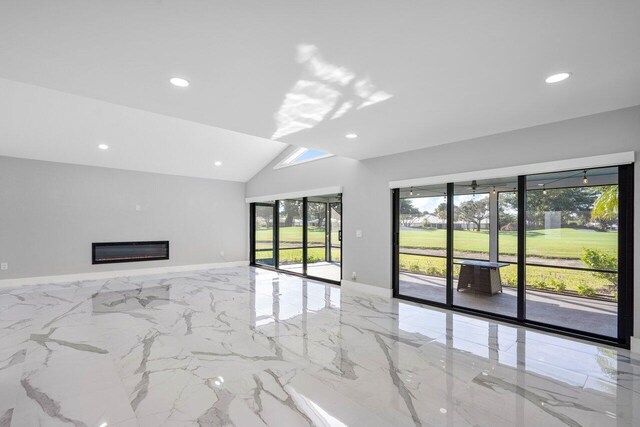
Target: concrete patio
{"type": "Point", "coordinates": [590, 315]}
{"type": "Point", "coordinates": [322, 269]}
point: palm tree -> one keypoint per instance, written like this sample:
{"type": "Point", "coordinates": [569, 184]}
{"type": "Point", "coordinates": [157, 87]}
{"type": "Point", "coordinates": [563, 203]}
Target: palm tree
{"type": "Point", "coordinates": [605, 207]}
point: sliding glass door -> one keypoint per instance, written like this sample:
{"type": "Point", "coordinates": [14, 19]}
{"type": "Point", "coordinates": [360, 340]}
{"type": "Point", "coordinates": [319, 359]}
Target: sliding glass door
{"type": "Point", "coordinates": [335, 232]}
{"type": "Point", "coordinates": [300, 236]}
{"type": "Point", "coordinates": [550, 250]}
{"type": "Point", "coordinates": [265, 234]}
{"type": "Point", "coordinates": [324, 236]}
{"type": "Point", "coordinates": [484, 226]}
{"type": "Point", "coordinates": [290, 235]}
{"type": "Point", "coordinates": [422, 233]}
{"type": "Point", "coordinates": [572, 255]}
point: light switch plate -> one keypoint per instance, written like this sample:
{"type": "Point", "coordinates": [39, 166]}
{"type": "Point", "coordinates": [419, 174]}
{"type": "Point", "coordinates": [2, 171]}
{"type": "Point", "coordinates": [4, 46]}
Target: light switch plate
{"type": "Point", "coordinates": [358, 233]}
{"type": "Point", "coordinates": [4, 266]}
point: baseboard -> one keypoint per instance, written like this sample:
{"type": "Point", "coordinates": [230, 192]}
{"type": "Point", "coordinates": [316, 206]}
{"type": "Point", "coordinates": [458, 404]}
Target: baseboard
{"type": "Point", "coordinates": [635, 346]}
{"type": "Point", "coordinates": [348, 285]}
{"type": "Point", "coordinates": [26, 281]}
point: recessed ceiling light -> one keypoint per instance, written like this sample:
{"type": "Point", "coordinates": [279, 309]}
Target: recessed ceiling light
{"type": "Point", "coordinates": [103, 146]}
{"type": "Point", "coordinates": [218, 163]}
{"type": "Point", "coordinates": [177, 81]}
{"type": "Point", "coordinates": [351, 136]}
{"type": "Point", "coordinates": [555, 78]}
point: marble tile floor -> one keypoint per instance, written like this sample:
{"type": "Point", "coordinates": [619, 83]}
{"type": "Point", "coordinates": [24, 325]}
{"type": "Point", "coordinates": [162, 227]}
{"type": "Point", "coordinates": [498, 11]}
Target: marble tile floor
{"type": "Point", "coordinates": [251, 347]}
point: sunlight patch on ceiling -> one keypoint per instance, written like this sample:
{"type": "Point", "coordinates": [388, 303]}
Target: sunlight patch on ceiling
{"type": "Point", "coordinates": [323, 90]}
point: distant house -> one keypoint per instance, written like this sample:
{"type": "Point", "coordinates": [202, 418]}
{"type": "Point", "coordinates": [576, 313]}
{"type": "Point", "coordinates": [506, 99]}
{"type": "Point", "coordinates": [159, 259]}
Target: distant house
{"type": "Point", "coordinates": [431, 221]}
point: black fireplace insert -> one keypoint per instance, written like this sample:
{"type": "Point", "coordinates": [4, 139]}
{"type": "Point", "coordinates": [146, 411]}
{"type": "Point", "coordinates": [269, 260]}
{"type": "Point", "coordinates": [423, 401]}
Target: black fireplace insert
{"type": "Point", "coordinates": [111, 252]}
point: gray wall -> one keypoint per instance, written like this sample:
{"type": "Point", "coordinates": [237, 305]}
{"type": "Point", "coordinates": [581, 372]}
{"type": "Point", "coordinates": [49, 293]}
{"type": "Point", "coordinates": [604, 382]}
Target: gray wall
{"type": "Point", "coordinates": [50, 213]}
{"type": "Point", "coordinates": [367, 199]}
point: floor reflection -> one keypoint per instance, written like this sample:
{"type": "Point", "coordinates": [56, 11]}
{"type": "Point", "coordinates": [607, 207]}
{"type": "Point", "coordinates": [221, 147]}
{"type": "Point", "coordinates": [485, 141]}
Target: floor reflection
{"type": "Point", "coordinates": [546, 376]}
{"type": "Point", "coordinates": [131, 299]}
{"type": "Point", "coordinates": [251, 346]}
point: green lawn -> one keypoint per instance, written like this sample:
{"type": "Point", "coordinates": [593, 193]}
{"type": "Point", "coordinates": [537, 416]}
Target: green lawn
{"type": "Point", "coordinates": [555, 279]}
{"type": "Point", "coordinates": [294, 256]}
{"type": "Point", "coordinates": [566, 243]}
{"type": "Point", "coordinates": [294, 235]}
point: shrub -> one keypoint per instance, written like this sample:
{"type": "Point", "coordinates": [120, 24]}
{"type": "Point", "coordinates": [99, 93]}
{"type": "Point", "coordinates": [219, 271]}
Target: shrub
{"type": "Point", "coordinates": [556, 284]}
{"type": "Point", "coordinates": [600, 260]}
{"type": "Point", "coordinates": [436, 272]}
{"type": "Point", "coordinates": [539, 283]}
{"type": "Point", "coordinates": [560, 286]}
{"type": "Point", "coordinates": [586, 290]}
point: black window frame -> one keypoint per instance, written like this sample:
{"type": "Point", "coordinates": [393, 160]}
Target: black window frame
{"type": "Point", "coordinates": [276, 237]}
{"type": "Point", "coordinates": [625, 263]}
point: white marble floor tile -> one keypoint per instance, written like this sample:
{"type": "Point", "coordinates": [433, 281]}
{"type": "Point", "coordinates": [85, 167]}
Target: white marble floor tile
{"type": "Point", "coordinates": [249, 347]}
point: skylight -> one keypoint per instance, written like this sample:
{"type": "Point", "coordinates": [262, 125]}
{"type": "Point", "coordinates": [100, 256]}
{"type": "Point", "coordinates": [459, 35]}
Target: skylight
{"type": "Point", "coordinates": [302, 155]}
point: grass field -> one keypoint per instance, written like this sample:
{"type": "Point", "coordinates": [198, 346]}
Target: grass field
{"type": "Point", "coordinates": [293, 235]}
{"type": "Point", "coordinates": [294, 256]}
{"type": "Point", "coordinates": [565, 243]}
{"type": "Point", "coordinates": [555, 279]}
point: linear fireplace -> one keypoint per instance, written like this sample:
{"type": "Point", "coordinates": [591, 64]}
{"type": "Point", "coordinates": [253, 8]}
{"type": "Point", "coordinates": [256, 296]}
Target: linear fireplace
{"type": "Point", "coordinates": [111, 252]}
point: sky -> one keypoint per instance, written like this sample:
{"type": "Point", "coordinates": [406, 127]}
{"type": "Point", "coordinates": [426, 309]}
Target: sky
{"type": "Point", "coordinates": [429, 204]}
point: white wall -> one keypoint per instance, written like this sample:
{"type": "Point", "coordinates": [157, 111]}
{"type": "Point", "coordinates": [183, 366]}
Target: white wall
{"type": "Point", "coordinates": [50, 213]}
{"type": "Point", "coordinates": [367, 198]}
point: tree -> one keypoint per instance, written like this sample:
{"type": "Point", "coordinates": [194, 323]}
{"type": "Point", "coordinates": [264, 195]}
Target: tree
{"type": "Point", "coordinates": [408, 212]}
{"type": "Point", "coordinates": [474, 211]}
{"type": "Point", "coordinates": [508, 210]}
{"type": "Point", "coordinates": [441, 211]}
{"type": "Point", "coordinates": [317, 211]}
{"type": "Point", "coordinates": [605, 208]}
{"type": "Point", "coordinates": [292, 210]}
{"type": "Point", "coordinates": [574, 205]}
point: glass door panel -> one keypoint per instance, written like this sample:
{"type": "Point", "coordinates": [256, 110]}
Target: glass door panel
{"type": "Point", "coordinates": [324, 237]}
{"type": "Point", "coordinates": [572, 250]}
{"type": "Point", "coordinates": [264, 237]}
{"type": "Point", "coordinates": [290, 235]}
{"type": "Point", "coordinates": [335, 233]}
{"type": "Point", "coordinates": [483, 220]}
{"type": "Point", "coordinates": [423, 243]}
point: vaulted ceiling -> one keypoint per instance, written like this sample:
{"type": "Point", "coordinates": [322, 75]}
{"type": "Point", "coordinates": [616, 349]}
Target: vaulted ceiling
{"type": "Point", "coordinates": [402, 75]}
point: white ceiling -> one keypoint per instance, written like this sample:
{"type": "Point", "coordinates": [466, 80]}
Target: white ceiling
{"type": "Point", "coordinates": [44, 124]}
{"type": "Point", "coordinates": [422, 72]}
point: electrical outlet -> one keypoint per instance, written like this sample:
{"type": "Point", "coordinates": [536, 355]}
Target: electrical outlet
{"type": "Point", "coordinates": [358, 233]}
{"type": "Point", "coordinates": [353, 276]}
{"type": "Point", "coordinates": [4, 266]}
{"type": "Point", "coordinates": [222, 254]}
{"type": "Point", "coordinates": [138, 208]}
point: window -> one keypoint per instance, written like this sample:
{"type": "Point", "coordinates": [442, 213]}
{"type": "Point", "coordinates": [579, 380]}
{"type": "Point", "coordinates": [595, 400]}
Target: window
{"type": "Point", "coordinates": [264, 234]}
{"type": "Point", "coordinates": [422, 233]}
{"type": "Point", "coordinates": [302, 155]}
{"type": "Point", "coordinates": [549, 250]}
{"type": "Point", "coordinates": [302, 236]}
{"type": "Point", "coordinates": [572, 249]}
